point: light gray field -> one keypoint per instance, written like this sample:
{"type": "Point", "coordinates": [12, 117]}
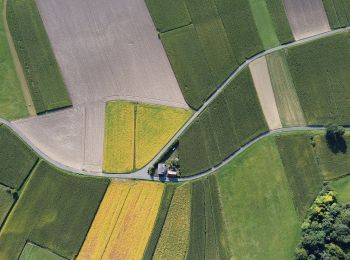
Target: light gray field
{"type": "Point", "coordinates": [306, 17]}
{"type": "Point", "coordinates": [107, 50]}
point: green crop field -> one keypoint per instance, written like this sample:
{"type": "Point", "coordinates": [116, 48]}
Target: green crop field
{"type": "Point", "coordinates": [332, 164]}
{"type": "Point", "coordinates": [257, 205]}
{"type": "Point", "coordinates": [338, 12]}
{"type": "Point", "coordinates": [280, 20]}
{"type": "Point", "coordinates": [6, 202]}
{"type": "Point", "coordinates": [301, 168]}
{"type": "Point", "coordinates": [17, 159]}
{"type": "Point", "coordinates": [321, 76]}
{"type": "Point", "coordinates": [173, 240]}
{"type": "Point", "coordinates": [34, 252]}
{"type": "Point", "coordinates": [264, 24]}
{"type": "Point", "coordinates": [55, 211]}
{"type": "Point", "coordinates": [12, 104]}
{"type": "Point", "coordinates": [190, 66]}
{"type": "Point", "coordinates": [42, 73]}
{"type": "Point", "coordinates": [168, 14]}
{"type": "Point", "coordinates": [222, 128]}
{"type": "Point", "coordinates": [287, 100]}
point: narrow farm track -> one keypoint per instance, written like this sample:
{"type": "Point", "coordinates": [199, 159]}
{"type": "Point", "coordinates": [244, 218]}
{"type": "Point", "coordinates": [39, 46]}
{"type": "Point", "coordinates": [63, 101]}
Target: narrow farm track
{"type": "Point", "coordinates": [142, 173]}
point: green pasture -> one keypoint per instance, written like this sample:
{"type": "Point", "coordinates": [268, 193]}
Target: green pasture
{"type": "Point", "coordinates": [342, 189]}
{"type": "Point", "coordinates": [231, 120]}
{"type": "Point", "coordinates": [257, 204]}
{"type": "Point", "coordinates": [33, 47]}
{"type": "Point", "coordinates": [12, 104]}
{"type": "Point", "coordinates": [338, 12]}
{"type": "Point", "coordinates": [55, 211]}
{"type": "Point", "coordinates": [321, 75]}
{"type": "Point", "coordinates": [16, 159]}
{"type": "Point", "coordinates": [34, 252]}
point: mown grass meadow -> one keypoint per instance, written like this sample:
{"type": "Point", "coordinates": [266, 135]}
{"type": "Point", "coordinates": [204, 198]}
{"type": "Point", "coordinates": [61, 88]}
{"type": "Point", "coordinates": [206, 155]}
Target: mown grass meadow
{"type": "Point", "coordinates": [338, 13]}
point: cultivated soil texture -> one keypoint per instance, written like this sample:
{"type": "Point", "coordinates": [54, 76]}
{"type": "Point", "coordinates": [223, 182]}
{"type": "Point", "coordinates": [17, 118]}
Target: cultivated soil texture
{"type": "Point", "coordinates": [306, 18]}
{"type": "Point", "coordinates": [263, 86]}
{"type": "Point", "coordinates": [106, 50]}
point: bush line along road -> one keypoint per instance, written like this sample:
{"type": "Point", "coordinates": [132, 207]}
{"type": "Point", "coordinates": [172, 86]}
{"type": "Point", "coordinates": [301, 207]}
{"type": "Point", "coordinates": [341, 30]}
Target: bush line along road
{"type": "Point", "coordinates": [142, 174]}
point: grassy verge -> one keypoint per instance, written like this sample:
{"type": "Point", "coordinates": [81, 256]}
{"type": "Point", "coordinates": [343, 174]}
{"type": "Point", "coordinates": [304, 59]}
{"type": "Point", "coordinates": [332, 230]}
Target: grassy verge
{"type": "Point", "coordinates": [42, 73]}
{"type": "Point", "coordinates": [55, 211]}
{"type": "Point", "coordinates": [222, 128]}
{"type": "Point", "coordinates": [257, 205]}
{"type": "Point", "coordinates": [320, 72]}
{"type": "Point", "coordinates": [12, 103]}
{"type": "Point", "coordinates": [17, 159]}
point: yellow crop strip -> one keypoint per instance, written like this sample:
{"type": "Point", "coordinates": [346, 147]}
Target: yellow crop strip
{"type": "Point", "coordinates": [174, 239]}
{"type": "Point", "coordinates": [124, 221]}
{"type": "Point", "coordinates": [105, 219]}
{"type": "Point", "coordinates": [155, 126]}
{"type": "Point", "coordinates": [135, 224]}
{"type": "Point", "coordinates": [119, 137]}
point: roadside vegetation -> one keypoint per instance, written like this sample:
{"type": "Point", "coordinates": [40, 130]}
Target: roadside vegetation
{"type": "Point", "coordinates": [12, 103]}
{"type": "Point", "coordinates": [42, 73]}
{"type": "Point", "coordinates": [136, 132]}
{"type": "Point", "coordinates": [222, 128]}
{"type": "Point", "coordinates": [206, 41]}
{"type": "Point", "coordinates": [338, 13]}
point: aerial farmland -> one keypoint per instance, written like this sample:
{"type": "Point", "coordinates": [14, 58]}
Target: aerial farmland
{"type": "Point", "coordinates": [161, 129]}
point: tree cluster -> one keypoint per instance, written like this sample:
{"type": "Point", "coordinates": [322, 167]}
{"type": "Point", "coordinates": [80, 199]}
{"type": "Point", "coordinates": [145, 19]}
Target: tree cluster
{"type": "Point", "coordinates": [335, 139]}
{"type": "Point", "coordinates": [326, 231]}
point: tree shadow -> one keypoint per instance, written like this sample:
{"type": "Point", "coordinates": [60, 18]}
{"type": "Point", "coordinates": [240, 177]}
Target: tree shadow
{"type": "Point", "coordinates": [336, 144]}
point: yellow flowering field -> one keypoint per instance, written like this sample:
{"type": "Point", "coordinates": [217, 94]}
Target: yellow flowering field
{"type": "Point", "coordinates": [174, 239]}
{"type": "Point", "coordinates": [119, 137]}
{"type": "Point", "coordinates": [124, 221]}
{"type": "Point", "coordinates": [155, 126]}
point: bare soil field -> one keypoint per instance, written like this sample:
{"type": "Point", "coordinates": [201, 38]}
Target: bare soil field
{"type": "Point", "coordinates": [106, 50]}
{"type": "Point", "coordinates": [263, 86]}
{"type": "Point", "coordinates": [306, 17]}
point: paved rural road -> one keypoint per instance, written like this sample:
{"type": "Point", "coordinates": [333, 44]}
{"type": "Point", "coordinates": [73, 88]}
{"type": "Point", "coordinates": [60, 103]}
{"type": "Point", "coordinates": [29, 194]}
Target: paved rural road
{"type": "Point", "coordinates": [142, 173]}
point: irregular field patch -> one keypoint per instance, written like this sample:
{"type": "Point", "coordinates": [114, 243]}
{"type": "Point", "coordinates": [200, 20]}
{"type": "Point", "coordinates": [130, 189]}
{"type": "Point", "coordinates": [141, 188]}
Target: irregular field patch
{"type": "Point", "coordinates": [33, 252]}
{"type": "Point", "coordinates": [43, 76]}
{"type": "Point", "coordinates": [231, 120]}
{"type": "Point", "coordinates": [126, 217]}
{"type": "Point", "coordinates": [257, 205]}
{"type": "Point", "coordinates": [55, 211]}
{"type": "Point", "coordinates": [17, 159]}
{"type": "Point", "coordinates": [287, 101]}
{"type": "Point", "coordinates": [135, 133]}
{"type": "Point", "coordinates": [320, 74]}
{"type": "Point", "coordinates": [342, 189]}
{"type": "Point", "coordinates": [12, 103]}
{"type": "Point", "coordinates": [338, 12]}
{"type": "Point", "coordinates": [6, 202]}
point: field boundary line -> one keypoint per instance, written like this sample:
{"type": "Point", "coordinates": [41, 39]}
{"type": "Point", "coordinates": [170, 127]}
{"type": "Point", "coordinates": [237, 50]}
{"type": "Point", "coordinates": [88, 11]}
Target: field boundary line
{"type": "Point", "coordinates": [19, 70]}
